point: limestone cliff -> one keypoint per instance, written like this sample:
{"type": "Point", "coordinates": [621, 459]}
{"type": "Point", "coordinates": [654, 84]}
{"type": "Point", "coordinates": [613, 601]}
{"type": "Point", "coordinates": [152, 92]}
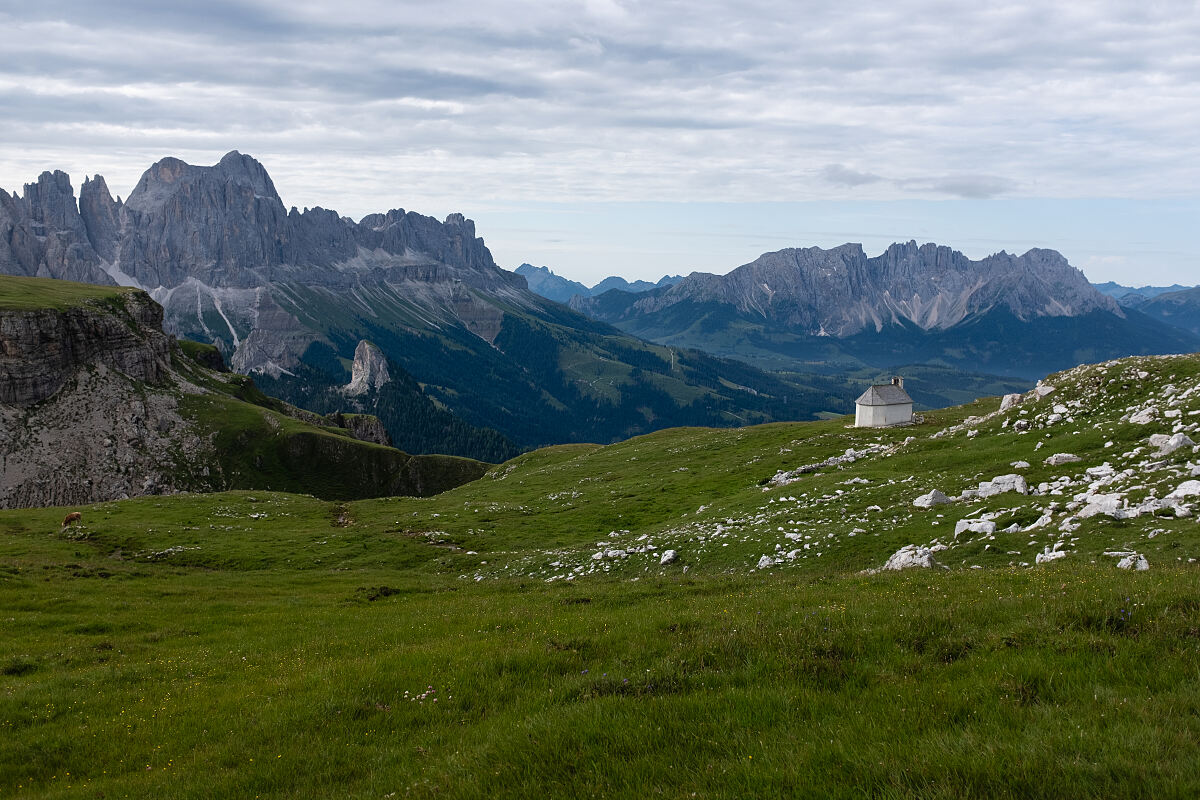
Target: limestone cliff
{"type": "Point", "coordinates": [370, 370]}
{"type": "Point", "coordinates": [97, 403]}
{"type": "Point", "coordinates": [41, 349]}
{"type": "Point", "coordinates": [218, 249]}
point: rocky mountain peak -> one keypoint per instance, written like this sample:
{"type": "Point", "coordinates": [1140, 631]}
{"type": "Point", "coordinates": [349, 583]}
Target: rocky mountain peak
{"type": "Point", "coordinates": [51, 202]}
{"type": "Point", "coordinates": [370, 370]}
{"type": "Point", "coordinates": [241, 168]}
{"type": "Point", "coordinates": [170, 176]}
{"type": "Point", "coordinates": [100, 214]}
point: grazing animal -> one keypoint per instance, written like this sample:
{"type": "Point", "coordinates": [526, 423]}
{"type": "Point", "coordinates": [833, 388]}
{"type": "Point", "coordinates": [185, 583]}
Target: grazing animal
{"type": "Point", "coordinates": [74, 516]}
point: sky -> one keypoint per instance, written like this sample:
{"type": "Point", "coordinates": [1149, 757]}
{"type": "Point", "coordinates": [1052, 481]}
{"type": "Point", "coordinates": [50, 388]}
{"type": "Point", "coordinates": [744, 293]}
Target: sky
{"type": "Point", "coordinates": [647, 138]}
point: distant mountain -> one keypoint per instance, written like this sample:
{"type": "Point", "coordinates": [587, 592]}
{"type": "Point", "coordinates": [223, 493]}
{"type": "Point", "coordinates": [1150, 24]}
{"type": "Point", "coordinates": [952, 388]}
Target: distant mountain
{"type": "Point", "coordinates": [1132, 296]}
{"type": "Point", "coordinates": [1014, 315]}
{"type": "Point", "coordinates": [1181, 309]}
{"type": "Point", "coordinates": [289, 295]}
{"type": "Point", "coordinates": [543, 281]}
{"type": "Point", "coordinates": [621, 285]}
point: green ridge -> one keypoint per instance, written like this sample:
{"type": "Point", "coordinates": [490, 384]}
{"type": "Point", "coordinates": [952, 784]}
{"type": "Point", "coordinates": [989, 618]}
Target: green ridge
{"type": "Point", "coordinates": [31, 294]}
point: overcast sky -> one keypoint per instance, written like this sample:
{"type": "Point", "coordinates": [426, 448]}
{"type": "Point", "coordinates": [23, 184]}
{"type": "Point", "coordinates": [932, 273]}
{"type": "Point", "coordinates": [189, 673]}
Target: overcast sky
{"type": "Point", "coordinates": [649, 137]}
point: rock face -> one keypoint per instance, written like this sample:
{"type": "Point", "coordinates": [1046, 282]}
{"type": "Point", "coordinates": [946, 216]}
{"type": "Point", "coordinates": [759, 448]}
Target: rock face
{"type": "Point", "coordinates": [366, 428]}
{"type": "Point", "coordinates": [207, 242]}
{"type": "Point", "coordinates": [40, 350]}
{"type": "Point", "coordinates": [97, 403]}
{"type": "Point", "coordinates": [42, 233]}
{"type": "Point", "coordinates": [370, 370]}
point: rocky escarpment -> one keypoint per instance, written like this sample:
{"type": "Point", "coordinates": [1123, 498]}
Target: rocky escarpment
{"type": "Point", "coordinates": [41, 349]}
{"type": "Point", "coordinates": [85, 411]}
{"type": "Point", "coordinates": [841, 292]}
{"type": "Point", "coordinates": [100, 437]}
{"type": "Point", "coordinates": [97, 403]}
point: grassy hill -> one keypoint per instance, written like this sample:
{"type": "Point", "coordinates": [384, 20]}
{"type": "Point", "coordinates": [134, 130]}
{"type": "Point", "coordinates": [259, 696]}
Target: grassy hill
{"type": "Point", "coordinates": [29, 294]}
{"type": "Point", "coordinates": [521, 636]}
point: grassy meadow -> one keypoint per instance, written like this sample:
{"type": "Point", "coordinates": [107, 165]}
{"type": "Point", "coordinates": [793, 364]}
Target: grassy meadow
{"type": "Point", "coordinates": [521, 635]}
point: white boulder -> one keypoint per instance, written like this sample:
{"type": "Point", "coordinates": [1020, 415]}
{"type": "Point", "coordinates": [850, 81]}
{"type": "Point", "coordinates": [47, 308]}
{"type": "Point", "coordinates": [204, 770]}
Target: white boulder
{"type": "Point", "coordinates": [908, 557]}
{"type": "Point", "coordinates": [1009, 400]}
{"type": "Point", "coordinates": [1174, 443]}
{"type": "Point", "coordinates": [669, 557]}
{"type": "Point", "coordinates": [934, 498]}
{"type": "Point", "coordinates": [765, 562]}
{"type": "Point", "coordinates": [1185, 489]}
{"type": "Point", "coordinates": [1134, 561]}
{"type": "Point", "coordinates": [1058, 459]}
{"type": "Point", "coordinates": [1004, 483]}
{"type": "Point", "coordinates": [1050, 554]}
{"type": "Point", "coordinates": [974, 526]}
{"type": "Point", "coordinates": [1107, 504]}
{"type": "Point", "coordinates": [1145, 416]}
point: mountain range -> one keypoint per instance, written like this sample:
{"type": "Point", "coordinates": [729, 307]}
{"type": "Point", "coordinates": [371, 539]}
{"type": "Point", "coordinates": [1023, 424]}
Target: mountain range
{"type": "Point", "coordinates": [799, 308]}
{"type": "Point", "coordinates": [289, 295]}
{"type": "Point", "coordinates": [1134, 295]}
{"type": "Point", "coordinates": [1179, 308]}
{"type": "Point", "coordinates": [481, 366]}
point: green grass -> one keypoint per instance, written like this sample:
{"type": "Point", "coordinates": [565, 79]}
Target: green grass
{"type": "Point", "coordinates": [260, 644]}
{"type": "Point", "coordinates": [32, 294]}
{"type": "Point", "coordinates": [274, 675]}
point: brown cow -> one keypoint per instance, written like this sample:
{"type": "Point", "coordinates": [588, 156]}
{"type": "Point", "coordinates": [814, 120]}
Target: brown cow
{"type": "Point", "coordinates": [74, 516]}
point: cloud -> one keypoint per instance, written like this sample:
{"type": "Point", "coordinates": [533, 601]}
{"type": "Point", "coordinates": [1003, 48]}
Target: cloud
{"type": "Point", "coordinates": [373, 102]}
{"type": "Point", "coordinates": [841, 175]}
{"type": "Point", "coordinates": [971, 187]}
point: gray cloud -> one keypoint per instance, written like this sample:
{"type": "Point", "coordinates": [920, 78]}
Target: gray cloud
{"type": "Point", "coordinates": [970, 187]}
{"type": "Point", "coordinates": [841, 175]}
{"type": "Point", "coordinates": [367, 103]}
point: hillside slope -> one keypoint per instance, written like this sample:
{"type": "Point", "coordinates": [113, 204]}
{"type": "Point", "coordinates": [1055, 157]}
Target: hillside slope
{"type": "Point", "coordinates": [97, 403]}
{"type": "Point", "coordinates": [692, 612]}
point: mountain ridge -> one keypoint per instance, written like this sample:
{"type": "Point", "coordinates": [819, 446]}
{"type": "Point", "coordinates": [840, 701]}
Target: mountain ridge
{"type": "Point", "coordinates": [284, 292]}
{"type": "Point", "coordinates": [548, 284]}
{"type": "Point", "coordinates": [911, 303]}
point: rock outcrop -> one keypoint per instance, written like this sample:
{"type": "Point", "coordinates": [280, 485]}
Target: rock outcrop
{"type": "Point", "coordinates": [97, 403]}
{"type": "Point", "coordinates": [370, 370]}
{"type": "Point", "coordinates": [42, 233]}
{"type": "Point", "coordinates": [41, 349]}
